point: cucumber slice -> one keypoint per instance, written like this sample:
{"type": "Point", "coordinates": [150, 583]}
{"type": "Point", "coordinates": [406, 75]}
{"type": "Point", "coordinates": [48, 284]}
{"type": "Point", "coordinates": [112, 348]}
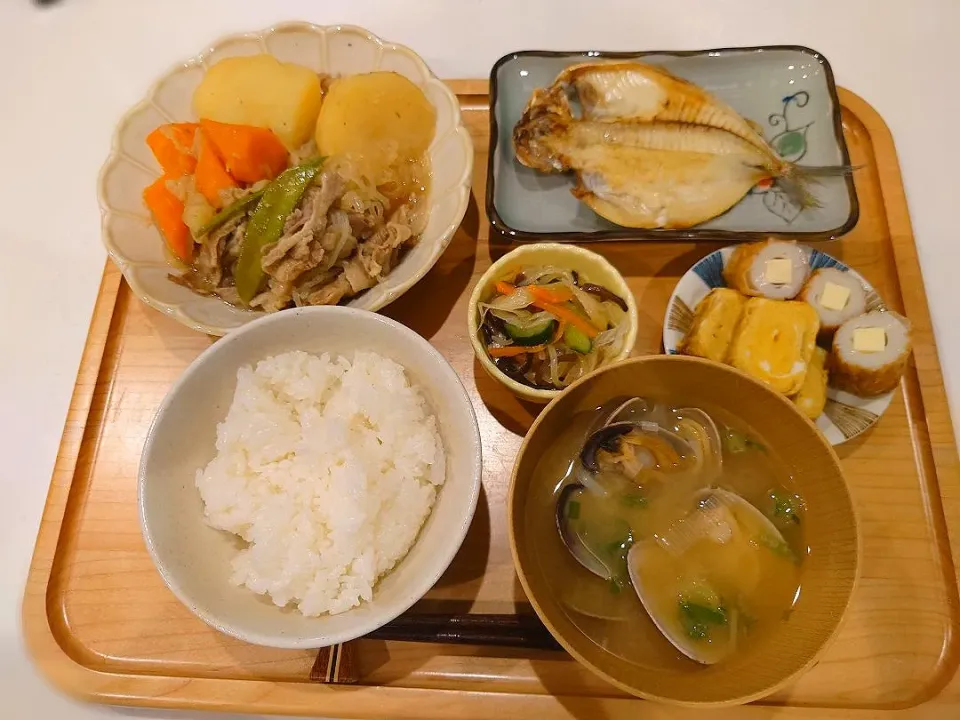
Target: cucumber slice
{"type": "Point", "coordinates": [534, 335]}
{"type": "Point", "coordinates": [577, 340]}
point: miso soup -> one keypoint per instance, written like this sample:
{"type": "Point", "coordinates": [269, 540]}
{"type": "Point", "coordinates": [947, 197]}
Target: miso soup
{"type": "Point", "coordinates": [686, 505]}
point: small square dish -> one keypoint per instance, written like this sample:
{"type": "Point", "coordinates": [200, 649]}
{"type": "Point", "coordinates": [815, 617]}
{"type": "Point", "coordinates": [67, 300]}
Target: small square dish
{"type": "Point", "coordinates": [788, 92]}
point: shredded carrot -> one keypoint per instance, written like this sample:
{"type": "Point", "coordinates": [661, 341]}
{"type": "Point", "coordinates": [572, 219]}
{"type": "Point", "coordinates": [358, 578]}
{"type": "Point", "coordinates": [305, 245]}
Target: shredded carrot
{"type": "Point", "coordinates": [250, 154]}
{"type": "Point", "coordinates": [211, 175]}
{"type": "Point", "coordinates": [505, 288]}
{"type": "Point", "coordinates": [571, 317]}
{"type": "Point", "coordinates": [555, 293]}
{"type": "Point", "coordinates": [172, 146]}
{"type": "Point", "coordinates": [514, 350]}
{"type": "Point", "coordinates": [167, 210]}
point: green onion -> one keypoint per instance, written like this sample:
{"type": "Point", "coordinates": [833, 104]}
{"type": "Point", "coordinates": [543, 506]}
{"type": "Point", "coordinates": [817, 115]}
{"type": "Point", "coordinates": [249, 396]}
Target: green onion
{"type": "Point", "coordinates": [697, 619]}
{"type": "Point", "coordinates": [778, 547]}
{"type": "Point", "coordinates": [737, 442]}
{"type": "Point", "coordinates": [786, 507]}
{"type": "Point", "coordinates": [634, 499]}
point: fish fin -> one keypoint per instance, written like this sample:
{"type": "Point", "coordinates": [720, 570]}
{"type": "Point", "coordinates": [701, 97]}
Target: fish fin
{"type": "Point", "coordinates": [795, 180]}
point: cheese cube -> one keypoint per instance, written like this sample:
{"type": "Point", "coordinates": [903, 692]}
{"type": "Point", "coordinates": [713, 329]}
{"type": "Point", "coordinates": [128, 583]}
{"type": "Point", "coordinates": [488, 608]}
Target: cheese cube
{"type": "Point", "coordinates": [779, 271]}
{"type": "Point", "coordinates": [834, 297]}
{"type": "Point", "coordinates": [869, 340]}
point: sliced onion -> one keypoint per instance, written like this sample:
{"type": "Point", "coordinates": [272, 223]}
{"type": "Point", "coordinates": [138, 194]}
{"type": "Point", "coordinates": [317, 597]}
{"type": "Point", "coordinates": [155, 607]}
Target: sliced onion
{"type": "Point", "coordinates": [514, 301]}
{"type": "Point", "coordinates": [554, 366]}
{"type": "Point", "coordinates": [576, 370]}
{"type": "Point", "coordinates": [181, 186]}
{"type": "Point", "coordinates": [594, 309]}
{"type": "Point", "coordinates": [523, 319]}
{"type": "Point", "coordinates": [616, 314]}
{"type": "Point", "coordinates": [611, 341]}
{"type": "Point", "coordinates": [543, 274]}
{"type": "Point", "coordinates": [590, 362]}
{"type": "Point", "coordinates": [196, 211]}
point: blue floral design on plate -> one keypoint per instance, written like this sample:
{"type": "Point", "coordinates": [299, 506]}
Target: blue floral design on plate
{"type": "Point", "coordinates": [710, 270]}
{"type": "Point", "coordinates": [820, 260]}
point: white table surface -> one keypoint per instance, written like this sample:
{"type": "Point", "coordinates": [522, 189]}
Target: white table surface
{"type": "Point", "coordinates": [68, 72]}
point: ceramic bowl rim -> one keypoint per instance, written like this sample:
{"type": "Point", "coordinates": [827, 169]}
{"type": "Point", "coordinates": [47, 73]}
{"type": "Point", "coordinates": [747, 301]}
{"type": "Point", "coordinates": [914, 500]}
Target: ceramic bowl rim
{"type": "Point", "coordinates": [462, 185]}
{"type": "Point", "coordinates": [419, 586]}
{"type": "Point", "coordinates": [473, 326]}
{"type": "Point", "coordinates": [648, 695]}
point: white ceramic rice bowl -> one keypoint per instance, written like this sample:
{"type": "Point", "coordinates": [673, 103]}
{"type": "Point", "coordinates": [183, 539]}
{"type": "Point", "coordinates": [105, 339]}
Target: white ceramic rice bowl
{"type": "Point", "coordinates": [194, 559]}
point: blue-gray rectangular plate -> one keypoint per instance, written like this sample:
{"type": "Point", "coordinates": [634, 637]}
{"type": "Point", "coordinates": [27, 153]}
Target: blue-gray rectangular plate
{"type": "Point", "coordinates": [787, 90]}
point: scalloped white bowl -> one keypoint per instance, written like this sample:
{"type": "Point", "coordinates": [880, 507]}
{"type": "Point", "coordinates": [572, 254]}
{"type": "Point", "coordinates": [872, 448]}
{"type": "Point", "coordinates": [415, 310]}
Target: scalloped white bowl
{"type": "Point", "coordinates": [136, 245]}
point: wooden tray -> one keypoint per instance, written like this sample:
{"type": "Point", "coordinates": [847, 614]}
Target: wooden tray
{"type": "Point", "coordinates": [100, 623]}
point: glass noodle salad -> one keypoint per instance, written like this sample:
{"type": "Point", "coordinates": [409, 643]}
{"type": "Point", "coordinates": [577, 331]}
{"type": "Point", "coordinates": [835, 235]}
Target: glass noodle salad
{"type": "Point", "coordinates": [546, 329]}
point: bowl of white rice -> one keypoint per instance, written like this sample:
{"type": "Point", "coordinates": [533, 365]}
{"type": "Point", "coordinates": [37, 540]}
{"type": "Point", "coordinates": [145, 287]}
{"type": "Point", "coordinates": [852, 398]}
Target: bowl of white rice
{"type": "Point", "coordinates": [309, 477]}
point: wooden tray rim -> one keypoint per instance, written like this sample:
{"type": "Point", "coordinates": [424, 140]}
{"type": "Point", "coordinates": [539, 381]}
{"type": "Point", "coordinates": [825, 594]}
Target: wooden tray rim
{"type": "Point", "coordinates": [310, 699]}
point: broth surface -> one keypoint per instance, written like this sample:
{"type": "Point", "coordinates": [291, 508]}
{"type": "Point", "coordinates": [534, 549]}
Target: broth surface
{"type": "Point", "coordinates": [752, 579]}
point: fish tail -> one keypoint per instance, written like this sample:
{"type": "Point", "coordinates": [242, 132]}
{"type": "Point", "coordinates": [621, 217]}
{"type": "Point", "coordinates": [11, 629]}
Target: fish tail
{"type": "Point", "coordinates": [795, 181]}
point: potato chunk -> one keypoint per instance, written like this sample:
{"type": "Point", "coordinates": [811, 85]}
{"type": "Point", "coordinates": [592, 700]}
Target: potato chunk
{"type": "Point", "coordinates": [260, 90]}
{"type": "Point", "coordinates": [378, 118]}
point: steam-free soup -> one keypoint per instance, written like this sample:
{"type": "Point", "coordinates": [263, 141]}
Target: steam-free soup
{"type": "Point", "coordinates": [695, 529]}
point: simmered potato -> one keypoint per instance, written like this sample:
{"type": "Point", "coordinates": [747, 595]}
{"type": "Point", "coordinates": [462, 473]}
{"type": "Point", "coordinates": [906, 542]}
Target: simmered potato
{"type": "Point", "coordinates": [260, 90]}
{"type": "Point", "coordinates": [379, 118]}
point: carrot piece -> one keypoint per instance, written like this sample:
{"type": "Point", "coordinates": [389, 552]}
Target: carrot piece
{"type": "Point", "coordinates": [556, 293]}
{"type": "Point", "coordinates": [172, 146]}
{"type": "Point", "coordinates": [567, 315]}
{"type": "Point", "coordinates": [504, 288]}
{"type": "Point", "coordinates": [513, 350]}
{"type": "Point", "coordinates": [211, 175]}
{"type": "Point", "coordinates": [250, 154]}
{"type": "Point", "coordinates": [167, 211]}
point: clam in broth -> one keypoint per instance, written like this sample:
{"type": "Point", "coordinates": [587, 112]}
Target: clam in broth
{"type": "Point", "coordinates": [680, 535]}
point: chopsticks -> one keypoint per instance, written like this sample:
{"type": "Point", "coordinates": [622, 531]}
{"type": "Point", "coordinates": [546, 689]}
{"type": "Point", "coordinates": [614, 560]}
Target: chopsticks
{"type": "Point", "coordinates": [337, 664]}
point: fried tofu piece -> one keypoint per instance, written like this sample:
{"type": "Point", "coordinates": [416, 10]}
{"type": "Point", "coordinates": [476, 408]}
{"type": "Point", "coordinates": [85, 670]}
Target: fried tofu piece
{"type": "Point", "coordinates": [775, 342]}
{"type": "Point", "coordinates": [714, 323]}
{"type": "Point", "coordinates": [812, 397]}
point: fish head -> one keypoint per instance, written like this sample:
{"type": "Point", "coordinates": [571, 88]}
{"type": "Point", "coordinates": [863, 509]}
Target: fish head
{"type": "Point", "coordinates": [539, 135]}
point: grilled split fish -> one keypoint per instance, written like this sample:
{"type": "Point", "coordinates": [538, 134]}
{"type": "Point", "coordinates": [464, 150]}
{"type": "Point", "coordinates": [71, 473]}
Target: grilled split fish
{"type": "Point", "coordinates": [650, 150]}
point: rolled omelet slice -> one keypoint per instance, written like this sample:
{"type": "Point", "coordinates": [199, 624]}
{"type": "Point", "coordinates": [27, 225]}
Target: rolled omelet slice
{"type": "Point", "coordinates": [870, 352]}
{"type": "Point", "coordinates": [812, 397]}
{"type": "Point", "coordinates": [773, 269]}
{"type": "Point", "coordinates": [775, 342]}
{"type": "Point", "coordinates": [714, 323]}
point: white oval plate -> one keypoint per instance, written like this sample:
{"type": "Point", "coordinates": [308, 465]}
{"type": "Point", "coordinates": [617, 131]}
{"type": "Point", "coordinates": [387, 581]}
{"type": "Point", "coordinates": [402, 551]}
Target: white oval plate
{"type": "Point", "coordinates": [845, 416]}
{"type": "Point", "coordinates": [136, 245]}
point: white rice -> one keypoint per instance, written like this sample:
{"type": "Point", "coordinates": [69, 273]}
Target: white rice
{"type": "Point", "coordinates": [328, 469]}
